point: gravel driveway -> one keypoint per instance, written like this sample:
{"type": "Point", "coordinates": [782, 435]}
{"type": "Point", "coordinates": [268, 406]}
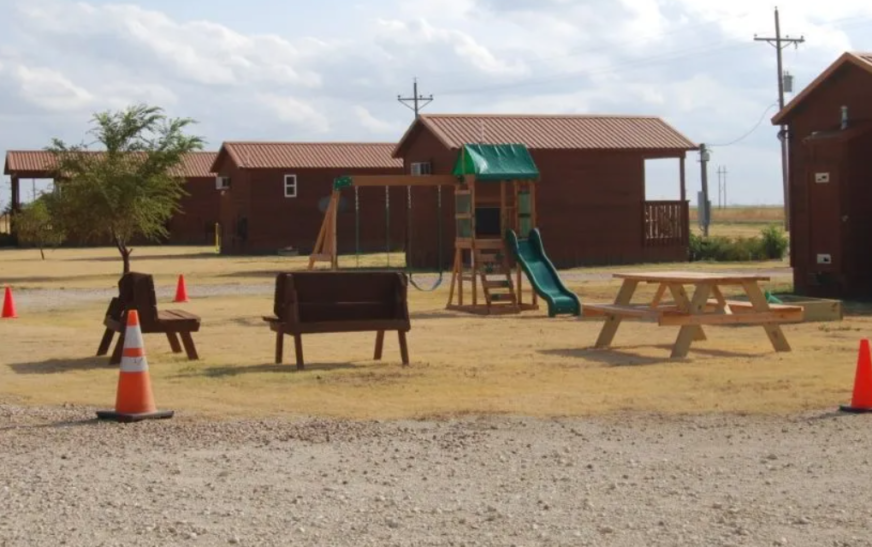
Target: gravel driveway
{"type": "Point", "coordinates": [625, 481]}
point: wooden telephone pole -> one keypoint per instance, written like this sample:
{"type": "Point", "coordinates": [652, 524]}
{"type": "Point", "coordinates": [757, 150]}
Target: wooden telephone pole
{"type": "Point", "coordinates": [780, 43]}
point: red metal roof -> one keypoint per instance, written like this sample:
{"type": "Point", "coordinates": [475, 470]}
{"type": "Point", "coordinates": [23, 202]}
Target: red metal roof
{"type": "Point", "coordinates": [862, 60]}
{"type": "Point", "coordinates": [303, 155]}
{"type": "Point", "coordinates": [553, 132]}
{"type": "Point", "coordinates": [40, 164]}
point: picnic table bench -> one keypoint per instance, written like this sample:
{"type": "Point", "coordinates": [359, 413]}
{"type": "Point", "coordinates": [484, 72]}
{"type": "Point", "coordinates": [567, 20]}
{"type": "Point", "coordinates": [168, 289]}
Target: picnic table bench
{"type": "Point", "coordinates": [315, 302]}
{"type": "Point", "coordinates": [136, 291]}
{"type": "Point", "coordinates": [691, 313]}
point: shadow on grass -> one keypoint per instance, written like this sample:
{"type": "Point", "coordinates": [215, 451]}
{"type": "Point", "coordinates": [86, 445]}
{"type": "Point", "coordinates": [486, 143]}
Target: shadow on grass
{"type": "Point", "coordinates": [230, 372]}
{"type": "Point", "coordinates": [133, 257]}
{"type": "Point", "coordinates": [60, 366]}
{"type": "Point", "coordinates": [622, 357]}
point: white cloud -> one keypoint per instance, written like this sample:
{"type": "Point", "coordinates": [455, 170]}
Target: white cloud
{"type": "Point", "coordinates": [417, 37]}
{"type": "Point", "coordinates": [200, 51]}
{"type": "Point", "coordinates": [374, 124]}
{"type": "Point", "coordinates": [295, 111]}
{"type": "Point", "coordinates": [50, 89]}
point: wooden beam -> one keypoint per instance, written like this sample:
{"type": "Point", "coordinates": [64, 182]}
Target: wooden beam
{"type": "Point", "coordinates": [403, 180]}
{"type": "Point", "coordinates": [683, 180]}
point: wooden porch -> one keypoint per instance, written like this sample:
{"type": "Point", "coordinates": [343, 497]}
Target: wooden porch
{"type": "Point", "coordinates": [665, 230]}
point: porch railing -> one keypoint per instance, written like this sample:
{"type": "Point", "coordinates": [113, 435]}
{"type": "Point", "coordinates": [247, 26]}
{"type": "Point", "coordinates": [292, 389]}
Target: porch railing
{"type": "Point", "coordinates": [665, 223]}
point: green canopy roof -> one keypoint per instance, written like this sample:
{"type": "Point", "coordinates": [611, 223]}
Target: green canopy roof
{"type": "Point", "coordinates": [495, 162]}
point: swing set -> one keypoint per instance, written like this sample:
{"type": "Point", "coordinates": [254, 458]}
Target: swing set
{"type": "Point", "coordinates": [487, 179]}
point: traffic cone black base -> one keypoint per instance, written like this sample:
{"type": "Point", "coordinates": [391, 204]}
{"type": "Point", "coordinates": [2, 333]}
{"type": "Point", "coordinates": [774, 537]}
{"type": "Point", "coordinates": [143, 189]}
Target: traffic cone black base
{"type": "Point", "coordinates": [129, 418]}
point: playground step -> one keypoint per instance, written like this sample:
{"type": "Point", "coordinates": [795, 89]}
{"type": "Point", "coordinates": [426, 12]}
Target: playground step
{"type": "Point", "coordinates": [502, 284]}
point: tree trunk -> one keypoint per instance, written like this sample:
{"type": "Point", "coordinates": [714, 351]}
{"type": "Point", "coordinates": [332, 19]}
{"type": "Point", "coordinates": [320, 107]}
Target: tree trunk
{"type": "Point", "coordinates": [125, 256]}
{"type": "Point", "coordinates": [125, 253]}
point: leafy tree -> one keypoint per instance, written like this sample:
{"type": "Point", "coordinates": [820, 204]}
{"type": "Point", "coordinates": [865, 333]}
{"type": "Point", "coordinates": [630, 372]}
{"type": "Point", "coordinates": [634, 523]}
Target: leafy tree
{"type": "Point", "coordinates": [129, 188]}
{"type": "Point", "coordinates": [35, 226]}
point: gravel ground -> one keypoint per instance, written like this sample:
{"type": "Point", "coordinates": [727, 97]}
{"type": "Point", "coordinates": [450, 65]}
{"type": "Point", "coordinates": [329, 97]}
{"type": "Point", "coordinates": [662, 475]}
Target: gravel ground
{"type": "Point", "coordinates": [48, 299]}
{"type": "Point", "coordinates": [623, 481]}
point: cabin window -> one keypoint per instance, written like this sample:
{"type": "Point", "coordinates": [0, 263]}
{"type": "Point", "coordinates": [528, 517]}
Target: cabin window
{"type": "Point", "coordinates": [422, 168]}
{"type": "Point", "coordinates": [290, 186]}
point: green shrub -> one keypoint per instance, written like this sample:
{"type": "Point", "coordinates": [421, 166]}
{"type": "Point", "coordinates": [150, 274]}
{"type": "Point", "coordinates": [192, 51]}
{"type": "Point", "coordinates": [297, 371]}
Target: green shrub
{"type": "Point", "coordinates": [739, 249]}
{"type": "Point", "coordinates": [774, 242]}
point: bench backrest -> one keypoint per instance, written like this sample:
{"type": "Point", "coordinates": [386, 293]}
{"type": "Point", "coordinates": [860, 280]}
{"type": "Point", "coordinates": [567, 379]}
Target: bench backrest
{"type": "Point", "coordinates": [308, 297]}
{"type": "Point", "coordinates": [136, 291]}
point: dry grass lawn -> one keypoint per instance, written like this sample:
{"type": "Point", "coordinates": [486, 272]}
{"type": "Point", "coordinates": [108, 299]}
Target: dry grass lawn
{"type": "Point", "coordinates": [527, 364]}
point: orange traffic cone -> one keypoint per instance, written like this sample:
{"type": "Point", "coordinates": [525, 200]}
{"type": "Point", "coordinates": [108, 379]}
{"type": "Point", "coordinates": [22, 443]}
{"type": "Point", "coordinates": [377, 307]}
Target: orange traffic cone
{"type": "Point", "coordinates": [134, 400]}
{"type": "Point", "coordinates": [181, 290]}
{"type": "Point", "coordinates": [862, 400]}
{"type": "Point", "coordinates": [9, 305]}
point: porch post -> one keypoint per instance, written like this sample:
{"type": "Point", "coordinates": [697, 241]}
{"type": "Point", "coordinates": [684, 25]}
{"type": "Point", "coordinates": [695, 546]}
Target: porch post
{"type": "Point", "coordinates": [683, 180]}
{"type": "Point", "coordinates": [685, 210]}
{"type": "Point", "coordinates": [15, 207]}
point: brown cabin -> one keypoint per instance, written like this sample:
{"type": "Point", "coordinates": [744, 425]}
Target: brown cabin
{"type": "Point", "coordinates": [829, 135]}
{"type": "Point", "coordinates": [591, 198]}
{"type": "Point", "coordinates": [275, 195]}
{"type": "Point", "coordinates": [193, 225]}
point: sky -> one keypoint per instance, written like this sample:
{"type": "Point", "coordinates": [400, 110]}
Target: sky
{"type": "Point", "coordinates": [297, 70]}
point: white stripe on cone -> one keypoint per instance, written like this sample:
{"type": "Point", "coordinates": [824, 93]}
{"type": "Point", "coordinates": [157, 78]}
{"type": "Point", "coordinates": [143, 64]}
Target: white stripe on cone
{"type": "Point", "coordinates": [133, 339]}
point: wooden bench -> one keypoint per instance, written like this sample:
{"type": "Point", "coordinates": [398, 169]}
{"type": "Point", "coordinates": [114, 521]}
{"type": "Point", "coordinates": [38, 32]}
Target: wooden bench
{"type": "Point", "coordinates": [136, 291]}
{"type": "Point", "coordinates": [333, 302]}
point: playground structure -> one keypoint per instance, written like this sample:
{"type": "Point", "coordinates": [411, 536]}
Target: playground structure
{"type": "Point", "coordinates": [495, 200]}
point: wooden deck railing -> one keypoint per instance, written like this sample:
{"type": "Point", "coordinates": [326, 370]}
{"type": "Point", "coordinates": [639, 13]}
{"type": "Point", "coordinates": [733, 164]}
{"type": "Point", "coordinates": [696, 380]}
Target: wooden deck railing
{"type": "Point", "coordinates": [665, 223]}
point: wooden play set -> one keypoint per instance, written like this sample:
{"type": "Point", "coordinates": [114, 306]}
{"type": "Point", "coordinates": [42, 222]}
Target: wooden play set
{"type": "Point", "coordinates": [486, 178]}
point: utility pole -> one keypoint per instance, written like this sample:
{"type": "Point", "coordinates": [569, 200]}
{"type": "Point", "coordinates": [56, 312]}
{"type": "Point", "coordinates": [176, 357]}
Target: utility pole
{"type": "Point", "coordinates": [704, 209]}
{"type": "Point", "coordinates": [780, 43]}
{"type": "Point", "coordinates": [416, 100]}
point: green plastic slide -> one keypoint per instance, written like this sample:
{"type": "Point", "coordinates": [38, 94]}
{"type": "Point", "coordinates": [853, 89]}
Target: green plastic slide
{"type": "Point", "coordinates": [530, 254]}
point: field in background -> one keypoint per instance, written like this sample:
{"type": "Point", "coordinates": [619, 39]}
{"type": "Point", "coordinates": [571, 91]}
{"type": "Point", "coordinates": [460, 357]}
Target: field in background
{"type": "Point", "coordinates": [739, 221]}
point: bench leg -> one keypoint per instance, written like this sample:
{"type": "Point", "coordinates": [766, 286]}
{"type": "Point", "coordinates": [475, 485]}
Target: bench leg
{"type": "Point", "coordinates": [404, 348]}
{"type": "Point", "coordinates": [298, 349]}
{"type": "Point", "coordinates": [190, 348]}
{"type": "Point", "coordinates": [280, 347]}
{"type": "Point", "coordinates": [174, 342]}
{"type": "Point", "coordinates": [610, 327]}
{"type": "Point", "coordinates": [115, 359]}
{"type": "Point", "coordinates": [379, 345]}
{"type": "Point", "coordinates": [689, 333]}
{"type": "Point", "coordinates": [103, 349]}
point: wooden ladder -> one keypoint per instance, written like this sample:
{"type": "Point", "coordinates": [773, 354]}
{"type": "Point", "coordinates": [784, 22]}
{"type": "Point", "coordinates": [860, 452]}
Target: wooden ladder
{"type": "Point", "coordinates": [496, 277]}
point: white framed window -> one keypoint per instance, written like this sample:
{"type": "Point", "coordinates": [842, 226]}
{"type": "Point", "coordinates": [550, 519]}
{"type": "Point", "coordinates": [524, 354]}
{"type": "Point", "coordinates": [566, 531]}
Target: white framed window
{"type": "Point", "coordinates": [290, 186]}
{"type": "Point", "coordinates": [422, 168]}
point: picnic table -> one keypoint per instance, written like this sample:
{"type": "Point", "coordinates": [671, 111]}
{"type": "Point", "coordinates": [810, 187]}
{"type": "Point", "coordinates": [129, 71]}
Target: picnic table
{"type": "Point", "coordinates": [707, 306]}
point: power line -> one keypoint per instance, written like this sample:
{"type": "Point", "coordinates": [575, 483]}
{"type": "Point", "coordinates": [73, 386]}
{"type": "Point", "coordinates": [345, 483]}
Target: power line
{"type": "Point", "coordinates": [724, 45]}
{"type": "Point", "coordinates": [747, 134]}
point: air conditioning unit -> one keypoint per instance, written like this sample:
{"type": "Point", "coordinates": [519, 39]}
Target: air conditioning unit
{"type": "Point", "coordinates": [222, 183]}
